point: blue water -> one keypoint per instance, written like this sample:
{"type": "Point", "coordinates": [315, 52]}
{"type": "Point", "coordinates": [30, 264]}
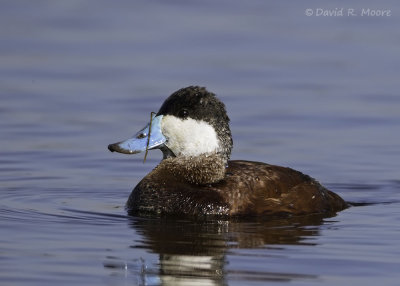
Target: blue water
{"type": "Point", "coordinates": [318, 94]}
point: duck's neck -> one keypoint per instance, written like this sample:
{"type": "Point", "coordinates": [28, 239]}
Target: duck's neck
{"type": "Point", "coordinates": [199, 170]}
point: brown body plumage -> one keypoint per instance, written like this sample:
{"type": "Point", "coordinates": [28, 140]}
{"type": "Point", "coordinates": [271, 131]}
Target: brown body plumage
{"type": "Point", "coordinates": [247, 188]}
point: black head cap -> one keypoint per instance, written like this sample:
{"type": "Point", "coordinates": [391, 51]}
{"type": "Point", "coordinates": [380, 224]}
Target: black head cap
{"type": "Point", "coordinates": [198, 103]}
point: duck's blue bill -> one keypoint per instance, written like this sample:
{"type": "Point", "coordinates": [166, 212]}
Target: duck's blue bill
{"type": "Point", "coordinates": [139, 142]}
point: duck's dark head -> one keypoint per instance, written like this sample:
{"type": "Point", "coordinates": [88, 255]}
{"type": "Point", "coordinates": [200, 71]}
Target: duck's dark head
{"type": "Point", "coordinates": [190, 123]}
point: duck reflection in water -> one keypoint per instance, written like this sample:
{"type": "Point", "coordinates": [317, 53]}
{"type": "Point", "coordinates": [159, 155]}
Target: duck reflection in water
{"type": "Point", "coordinates": [194, 252]}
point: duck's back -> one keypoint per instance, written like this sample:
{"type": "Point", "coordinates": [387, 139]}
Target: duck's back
{"type": "Point", "coordinates": [249, 188]}
{"type": "Point", "coordinates": [258, 188]}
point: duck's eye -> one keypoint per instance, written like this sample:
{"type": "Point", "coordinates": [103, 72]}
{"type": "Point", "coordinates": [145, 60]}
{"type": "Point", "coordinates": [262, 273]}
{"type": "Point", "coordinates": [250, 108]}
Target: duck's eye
{"type": "Point", "coordinates": [183, 113]}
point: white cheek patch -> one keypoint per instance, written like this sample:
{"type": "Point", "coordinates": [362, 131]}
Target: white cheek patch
{"type": "Point", "coordinates": [189, 137]}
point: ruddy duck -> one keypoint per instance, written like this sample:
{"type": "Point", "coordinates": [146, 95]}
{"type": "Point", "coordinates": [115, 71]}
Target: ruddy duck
{"type": "Point", "coordinates": [196, 178]}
